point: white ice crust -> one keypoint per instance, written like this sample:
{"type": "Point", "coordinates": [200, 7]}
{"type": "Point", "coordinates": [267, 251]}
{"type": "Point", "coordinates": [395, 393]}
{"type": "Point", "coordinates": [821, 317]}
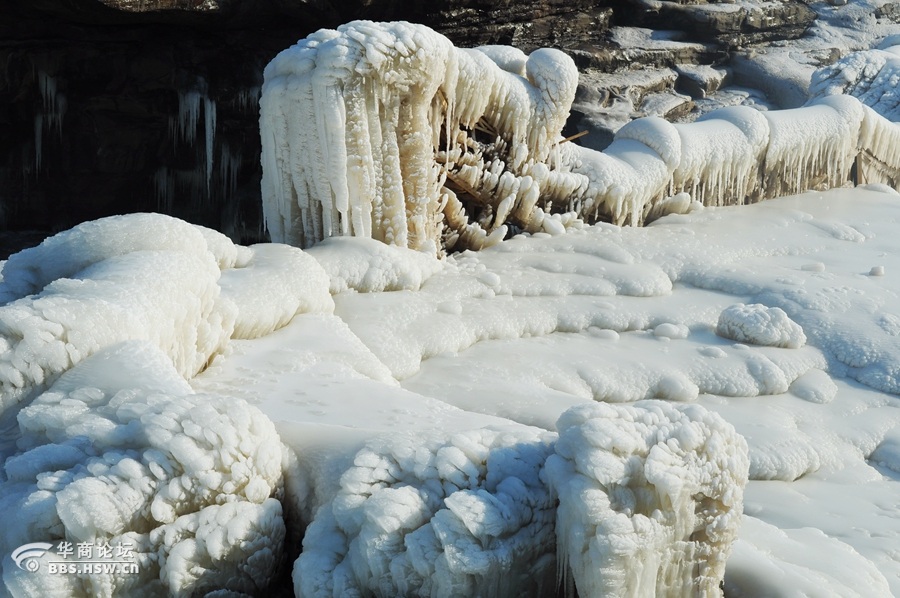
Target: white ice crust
{"type": "Point", "coordinates": [486, 343]}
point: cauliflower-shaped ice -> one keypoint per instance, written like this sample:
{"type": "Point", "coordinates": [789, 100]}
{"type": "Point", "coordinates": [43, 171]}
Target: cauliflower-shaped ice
{"type": "Point", "coordinates": [650, 498]}
{"type": "Point", "coordinates": [758, 324]}
{"type": "Point", "coordinates": [428, 517]}
{"type": "Point", "coordinates": [120, 447]}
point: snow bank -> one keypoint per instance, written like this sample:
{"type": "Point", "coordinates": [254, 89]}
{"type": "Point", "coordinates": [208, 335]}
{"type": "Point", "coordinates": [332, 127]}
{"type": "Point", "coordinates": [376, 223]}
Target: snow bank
{"type": "Point", "coordinates": [420, 144]}
{"type": "Point", "coordinates": [760, 325]}
{"type": "Point", "coordinates": [441, 517]}
{"type": "Point", "coordinates": [768, 561]}
{"type": "Point", "coordinates": [650, 498]}
{"type": "Point", "coordinates": [367, 266]}
{"type": "Point", "coordinates": [119, 449]}
{"type": "Point", "coordinates": [271, 286]}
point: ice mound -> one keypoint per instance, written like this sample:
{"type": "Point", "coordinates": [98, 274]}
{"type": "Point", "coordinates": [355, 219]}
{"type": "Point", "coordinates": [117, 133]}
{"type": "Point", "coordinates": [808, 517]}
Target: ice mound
{"type": "Point", "coordinates": [119, 449]}
{"type": "Point", "coordinates": [758, 324]}
{"type": "Point", "coordinates": [367, 266]}
{"type": "Point", "coordinates": [429, 517]}
{"type": "Point", "coordinates": [184, 288]}
{"type": "Point", "coordinates": [68, 253]}
{"type": "Point", "coordinates": [650, 498]}
{"type": "Point", "coordinates": [104, 282]}
{"type": "Point", "coordinates": [271, 286]}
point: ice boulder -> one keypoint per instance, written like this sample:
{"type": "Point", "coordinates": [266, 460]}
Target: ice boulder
{"type": "Point", "coordinates": [758, 324]}
{"type": "Point", "coordinates": [415, 516]}
{"type": "Point", "coordinates": [650, 498]}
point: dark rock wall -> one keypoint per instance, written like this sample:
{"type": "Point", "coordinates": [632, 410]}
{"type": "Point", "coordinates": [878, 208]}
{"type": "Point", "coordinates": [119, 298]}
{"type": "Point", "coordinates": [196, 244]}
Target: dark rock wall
{"type": "Point", "coordinates": [106, 112]}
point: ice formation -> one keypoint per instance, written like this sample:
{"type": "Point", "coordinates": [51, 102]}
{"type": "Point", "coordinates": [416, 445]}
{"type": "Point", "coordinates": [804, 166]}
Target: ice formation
{"type": "Point", "coordinates": [102, 283]}
{"type": "Point", "coordinates": [120, 450]}
{"type": "Point", "coordinates": [275, 283]}
{"type": "Point", "coordinates": [398, 113]}
{"type": "Point", "coordinates": [369, 266]}
{"type": "Point", "coordinates": [760, 325]}
{"type": "Point", "coordinates": [420, 144]}
{"type": "Point", "coordinates": [870, 76]}
{"type": "Point", "coordinates": [186, 289]}
{"type": "Point", "coordinates": [650, 498]}
{"type": "Point", "coordinates": [425, 516]}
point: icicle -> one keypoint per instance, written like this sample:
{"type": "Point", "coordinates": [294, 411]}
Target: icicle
{"type": "Point", "coordinates": [188, 115]}
{"type": "Point", "coordinates": [165, 190]}
{"type": "Point", "coordinates": [209, 113]}
{"type": "Point", "coordinates": [229, 166]}
{"type": "Point", "coordinates": [248, 98]}
{"type": "Point", "coordinates": [54, 103]}
{"type": "Point", "coordinates": [38, 141]}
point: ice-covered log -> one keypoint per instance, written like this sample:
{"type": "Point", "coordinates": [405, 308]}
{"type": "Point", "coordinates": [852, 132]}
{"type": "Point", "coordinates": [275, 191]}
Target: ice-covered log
{"type": "Point", "coordinates": [415, 516]}
{"type": "Point", "coordinates": [812, 147]}
{"type": "Point", "coordinates": [121, 451]}
{"type": "Point", "coordinates": [720, 156]}
{"type": "Point", "coordinates": [650, 498]}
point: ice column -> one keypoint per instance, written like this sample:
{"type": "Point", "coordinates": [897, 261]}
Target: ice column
{"type": "Point", "coordinates": [362, 128]}
{"type": "Point", "coordinates": [650, 498]}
